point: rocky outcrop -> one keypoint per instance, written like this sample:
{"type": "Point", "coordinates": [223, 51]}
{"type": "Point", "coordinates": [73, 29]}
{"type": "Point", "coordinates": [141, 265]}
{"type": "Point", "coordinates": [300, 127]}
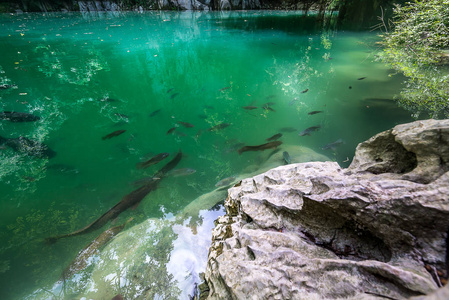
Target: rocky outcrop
{"type": "Point", "coordinates": [376, 230]}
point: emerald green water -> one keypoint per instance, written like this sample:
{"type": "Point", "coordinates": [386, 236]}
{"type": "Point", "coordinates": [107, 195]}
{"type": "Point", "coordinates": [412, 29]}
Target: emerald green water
{"type": "Point", "coordinates": [89, 75]}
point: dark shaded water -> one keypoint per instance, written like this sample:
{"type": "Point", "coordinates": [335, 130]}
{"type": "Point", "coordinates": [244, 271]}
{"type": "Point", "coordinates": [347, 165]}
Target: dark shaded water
{"type": "Point", "coordinates": [89, 75]}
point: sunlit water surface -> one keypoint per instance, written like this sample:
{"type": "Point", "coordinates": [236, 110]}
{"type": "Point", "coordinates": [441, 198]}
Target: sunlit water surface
{"type": "Point", "coordinates": [89, 75]}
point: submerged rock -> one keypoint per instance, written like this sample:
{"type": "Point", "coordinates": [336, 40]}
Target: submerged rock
{"type": "Point", "coordinates": [376, 230]}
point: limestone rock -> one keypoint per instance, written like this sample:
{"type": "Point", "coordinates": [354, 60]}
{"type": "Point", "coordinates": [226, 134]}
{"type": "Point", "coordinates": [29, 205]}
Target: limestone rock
{"type": "Point", "coordinates": [316, 231]}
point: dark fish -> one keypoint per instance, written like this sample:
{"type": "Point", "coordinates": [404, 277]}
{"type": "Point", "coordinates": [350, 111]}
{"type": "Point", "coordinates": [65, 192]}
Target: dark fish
{"type": "Point", "coordinates": [169, 166]}
{"type": "Point", "coordinates": [107, 99]}
{"type": "Point", "coordinates": [287, 158]}
{"type": "Point", "coordinates": [14, 116]}
{"type": "Point", "coordinates": [62, 168]}
{"type": "Point", "coordinates": [7, 86]}
{"type": "Point", "coordinates": [361, 78]}
{"type": "Point", "coordinates": [185, 124]}
{"type": "Point", "coordinates": [132, 199]}
{"type": "Point", "coordinates": [155, 112]}
{"type": "Point", "coordinates": [226, 181]}
{"type": "Point", "coordinates": [224, 89]}
{"type": "Point", "coordinates": [270, 145]}
{"type": "Point", "coordinates": [219, 126]}
{"type": "Point", "coordinates": [293, 101]}
{"type": "Point", "coordinates": [269, 104]}
{"type": "Point", "coordinates": [154, 160]}
{"type": "Point", "coordinates": [180, 133]}
{"type": "Point", "coordinates": [112, 134]}
{"type": "Point", "coordinates": [117, 297]}
{"type": "Point", "coordinates": [81, 260]}
{"type": "Point", "coordinates": [144, 181]}
{"type": "Point", "coordinates": [208, 107]}
{"type": "Point", "coordinates": [266, 107]}
{"type": "Point", "coordinates": [333, 145]}
{"type": "Point", "coordinates": [198, 133]}
{"type": "Point", "coordinates": [181, 172]}
{"type": "Point", "coordinates": [288, 129]}
{"type": "Point", "coordinates": [170, 130]}
{"type": "Point", "coordinates": [174, 95]}
{"type": "Point", "coordinates": [28, 178]}
{"type": "Point", "coordinates": [249, 107]}
{"type": "Point", "coordinates": [309, 130]}
{"type": "Point", "coordinates": [274, 137]}
{"type": "Point", "coordinates": [121, 115]}
{"type": "Point", "coordinates": [169, 90]}
{"type": "Point", "coordinates": [315, 112]}
{"type": "Point", "coordinates": [28, 147]}
{"type": "Point", "coordinates": [305, 91]}
{"type": "Point", "coordinates": [202, 116]}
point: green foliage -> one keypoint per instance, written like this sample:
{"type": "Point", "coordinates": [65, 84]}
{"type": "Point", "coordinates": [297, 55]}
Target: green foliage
{"type": "Point", "coordinates": [416, 48]}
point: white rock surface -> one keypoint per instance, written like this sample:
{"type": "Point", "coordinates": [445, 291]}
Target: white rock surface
{"type": "Point", "coordinates": [316, 231]}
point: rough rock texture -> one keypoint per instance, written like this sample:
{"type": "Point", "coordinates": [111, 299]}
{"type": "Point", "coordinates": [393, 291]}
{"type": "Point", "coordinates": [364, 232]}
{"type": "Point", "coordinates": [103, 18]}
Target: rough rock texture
{"type": "Point", "coordinates": [377, 230]}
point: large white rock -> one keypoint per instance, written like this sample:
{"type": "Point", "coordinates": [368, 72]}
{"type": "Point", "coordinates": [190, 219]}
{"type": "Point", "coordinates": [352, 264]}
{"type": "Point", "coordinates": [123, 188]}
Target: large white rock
{"type": "Point", "coordinates": [316, 231]}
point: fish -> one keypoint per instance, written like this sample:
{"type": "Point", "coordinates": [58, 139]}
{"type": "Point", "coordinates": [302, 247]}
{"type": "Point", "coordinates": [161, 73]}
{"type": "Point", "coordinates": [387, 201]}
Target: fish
{"type": "Point", "coordinates": [14, 116]}
{"type": "Point", "coordinates": [288, 129]}
{"type": "Point", "coordinates": [185, 124]}
{"type": "Point", "coordinates": [169, 166]}
{"type": "Point", "coordinates": [274, 137]}
{"type": "Point", "coordinates": [132, 199]}
{"type": "Point", "coordinates": [305, 91]}
{"type": "Point", "coordinates": [219, 127]}
{"type": "Point", "coordinates": [117, 297]}
{"type": "Point", "coordinates": [287, 158]}
{"type": "Point", "coordinates": [226, 181]}
{"type": "Point", "coordinates": [112, 134]}
{"type": "Point", "coordinates": [121, 115]}
{"type": "Point", "coordinates": [309, 130]}
{"type": "Point", "coordinates": [82, 258]}
{"type": "Point", "coordinates": [155, 112]}
{"type": "Point", "coordinates": [28, 147]}
{"type": "Point", "coordinates": [154, 160]}
{"type": "Point", "coordinates": [171, 130]}
{"type": "Point", "coordinates": [333, 145]}
{"type": "Point", "coordinates": [180, 133]}
{"type": "Point", "coordinates": [143, 181]}
{"type": "Point", "coordinates": [169, 90]}
{"type": "Point", "coordinates": [181, 172]}
{"type": "Point", "coordinates": [208, 107]}
{"type": "Point", "coordinates": [202, 116]}
{"type": "Point", "coordinates": [361, 78]}
{"type": "Point", "coordinates": [174, 95]}
{"type": "Point", "coordinates": [266, 107]}
{"type": "Point", "coordinates": [249, 107]}
{"type": "Point", "coordinates": [315, 112]}
{"type": "Point", "coordinates": [62, 168]}
{"type": "Point", "coordinates": [269, 103]}
{"type": "Point", "coordinates": [198, 133]}
{"type": "Point", "coordinates": [270, 145]}
{"type": "Point", "coordinates": [293, 101]}
{"type": "Point", "coordinates": [7, 86]}
{"type": "Point", "coordinates": [224, 89]}
{"type": "Point", "coordinates": [107, 99]}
